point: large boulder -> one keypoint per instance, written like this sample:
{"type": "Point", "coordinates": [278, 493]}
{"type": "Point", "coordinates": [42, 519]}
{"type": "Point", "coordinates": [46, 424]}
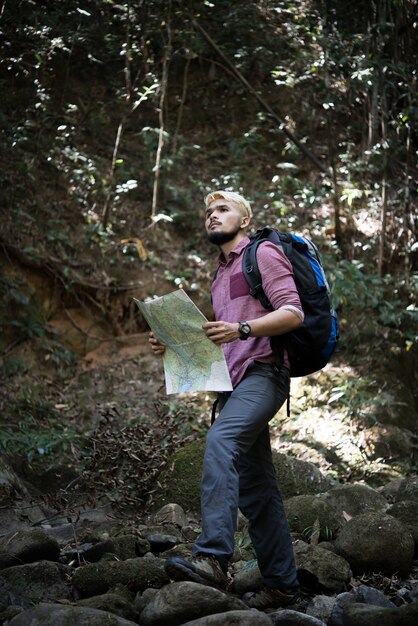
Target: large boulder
{"type": "Point", "coordinates": [232, 618]}
{"type": "Point", "coordinates": [181, 602]}
{"type": "Point", "coordinates": [112, 603]}
{"type": "Point", "coordinates": [16, 502]}
{"type": "Point", "coordinates": [358, 614]}
{"type": "Point", "coordinates": [376, 542]}
{"type": "Point", "coordinates": [27, 546]}
{"type": "Point", "coordinates": [297, 477]}
{"type": "Point", "coordinates": [181, 481]}
{"type": "Point", "coordinates": [135, 574]}
{"type": "Point", "coordinates": [349, 500]}
{"type": "Point", "coordinates": [406, 511]}
{"type": "Point", "coordinates": [43, 581]}
{"type": "Point", "coordinates": [59, 615]}
{"type": "Point", "coordinates": [321, 569]}
{"type": "Point", "coordinates": [408, 489]}
{"type": "Point", "coordinates": [122, 548]}
{"type": "Point", "coordinates": [288, 617]}
{"type": "Point", "coordinates": [311, 516]}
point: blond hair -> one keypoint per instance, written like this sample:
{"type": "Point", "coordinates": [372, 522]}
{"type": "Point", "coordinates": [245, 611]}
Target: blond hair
{"type": "Point", "coordinates": [236, 198]}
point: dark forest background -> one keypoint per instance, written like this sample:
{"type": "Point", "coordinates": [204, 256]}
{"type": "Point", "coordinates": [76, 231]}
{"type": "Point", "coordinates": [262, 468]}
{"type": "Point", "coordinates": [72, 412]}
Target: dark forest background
{"type": "Point", "coordinates": [116, 118]}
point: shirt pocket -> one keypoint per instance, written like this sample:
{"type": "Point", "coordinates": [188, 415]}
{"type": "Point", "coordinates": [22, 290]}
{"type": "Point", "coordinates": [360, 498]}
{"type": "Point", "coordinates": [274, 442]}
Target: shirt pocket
{"type": "Point", "coordinates": [238, 286]}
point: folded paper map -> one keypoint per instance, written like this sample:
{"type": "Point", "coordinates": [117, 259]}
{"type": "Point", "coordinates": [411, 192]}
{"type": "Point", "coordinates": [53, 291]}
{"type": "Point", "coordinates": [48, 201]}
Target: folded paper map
{"type": "Point", "coordinates": [192, 362]}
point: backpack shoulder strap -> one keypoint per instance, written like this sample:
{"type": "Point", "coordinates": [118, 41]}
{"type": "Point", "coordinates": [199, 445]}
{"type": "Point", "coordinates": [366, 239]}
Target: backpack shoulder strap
{"type": "Point", "coordinates": [249, 260]}
{"type": "Point", "coordinates": [250, 269]}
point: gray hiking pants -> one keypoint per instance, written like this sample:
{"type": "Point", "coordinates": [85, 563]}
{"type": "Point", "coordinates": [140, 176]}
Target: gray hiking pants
{"type": "Point", "coordinates": [238, 471]}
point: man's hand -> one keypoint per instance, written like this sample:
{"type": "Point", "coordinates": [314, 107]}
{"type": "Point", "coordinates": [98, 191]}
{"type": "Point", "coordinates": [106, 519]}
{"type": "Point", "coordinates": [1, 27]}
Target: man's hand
{"type": "Point", "coordinates": [221, 332]}
{"type": "Point", "coordinates": [156, 346]}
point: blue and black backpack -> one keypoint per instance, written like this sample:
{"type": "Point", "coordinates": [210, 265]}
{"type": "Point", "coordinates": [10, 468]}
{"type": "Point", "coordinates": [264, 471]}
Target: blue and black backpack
{"type": "Point", "coordinates": [311, 346]}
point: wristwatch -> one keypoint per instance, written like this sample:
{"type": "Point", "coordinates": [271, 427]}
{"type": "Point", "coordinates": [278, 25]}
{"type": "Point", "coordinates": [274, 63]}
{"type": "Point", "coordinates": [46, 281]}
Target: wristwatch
{"type": "Point", "coordinates": [244, 330]}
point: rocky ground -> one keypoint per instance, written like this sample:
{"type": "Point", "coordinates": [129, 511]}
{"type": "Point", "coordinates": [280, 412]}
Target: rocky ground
{"type": "Point", "coordinates": [355, 549]}
{"type": "Point", "coordinates": [84, 535]}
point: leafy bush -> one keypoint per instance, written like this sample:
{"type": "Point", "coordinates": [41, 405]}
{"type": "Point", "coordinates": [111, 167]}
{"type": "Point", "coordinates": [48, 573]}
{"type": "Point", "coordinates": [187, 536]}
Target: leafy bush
{"type": "Point", "coordinates": [380, 300]}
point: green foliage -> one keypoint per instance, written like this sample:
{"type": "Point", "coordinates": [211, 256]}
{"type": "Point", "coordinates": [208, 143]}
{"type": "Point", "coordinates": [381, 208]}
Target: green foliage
{"type": "Point", "coordinates": [31, 428]}
{"type": "Point", "coordinates": [360, 399]}
{"type": "Point", "coordinates": [312, 534]}
{"type": "Point", "coordinates": [373, 300]}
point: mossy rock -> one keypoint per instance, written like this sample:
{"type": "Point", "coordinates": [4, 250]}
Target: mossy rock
{"type": "Point", "coordinates": [311, 516]}
{"type": "Point", "coordinates": [181, 480]}
{"type": "Point", "coordinates": [297, 477]}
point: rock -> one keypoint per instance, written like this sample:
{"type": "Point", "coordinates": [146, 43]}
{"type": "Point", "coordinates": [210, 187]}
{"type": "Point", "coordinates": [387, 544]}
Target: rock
{"type": "Point", "coordinates": [321, 607]}
{"type": "Point", "coordinates": [297, 477]}
{"type": "Point", "coordinates": [11, 611]}
{"type": "Point", "coordinates": [232, 618]}
{"type": "Point", "coordinates": [181, 602]}
{"type": "Point", "coordinates": [376, 542]}
{"type": "Point", "coordinates": [287, 617]}
{"type": "Point", "coordinates": [112, 603]}
{"type": "Point", "coordinates": [361, 594]}
{"type": "Point", "coordinates": [349, 500]}
{"type": "Point", "coordinates": [160, 542]}
{"type": "Point", "coordinates": [369, 595]}
{"type": "Point", "coordinates": [390, 489]}
{"type": "Point", "coordinates": [327, 545]}
{"type": "Point", "coordinates": [190, 533]}
{"type": "Point", "coordinates": [60, 615]}
{"type": "Point", "coordinates": [311, 516]}
{"type": "Point", "coordinates": [406, 511]}
{"type": "Point", "coordinates": [318, 568]}
{"type": "Point", "coordinates": [407, 594]}
{"type": "Point", "coordinates": [135, 574]}
{"type": "Point", "coordinates": [400, 489]}
{"type": "Point", "coordinates": [39, 582]}
{"type": "Point", "coordinates": [171, 514]}
{"type": "Point", "coordinates": [342, 601]}
{"type": "Point", "coordinates": [408, 489]}
{"type": "Point", "coordinates": [17, 508]}
{"type": "Point", "coordinates": [27, 546]}
{"type": "Point", "coordinates": [9, 595]}
{"type": "Point", "coordinates": [362, 614]}
{"type": "Point", "coordinates": [124, 547]}
{"type": "Point", "coordinates": [182, 480]}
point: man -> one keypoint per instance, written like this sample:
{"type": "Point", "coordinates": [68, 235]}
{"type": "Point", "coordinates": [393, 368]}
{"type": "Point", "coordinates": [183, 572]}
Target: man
{"type": "Point", "coordinates": [238, 470]}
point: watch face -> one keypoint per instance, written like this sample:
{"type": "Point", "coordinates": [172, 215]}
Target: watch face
{"type": "Point", "coordinates": [244, 330]}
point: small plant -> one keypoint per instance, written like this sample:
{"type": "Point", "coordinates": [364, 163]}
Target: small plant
{"type": "Point", "coordinates": [316, 533]}
{"type": "Point", "coordinates": [31, 428]}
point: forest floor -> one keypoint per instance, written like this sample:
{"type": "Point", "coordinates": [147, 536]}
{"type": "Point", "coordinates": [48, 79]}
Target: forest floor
{"type": "Point", "coordinates": [107, 412]}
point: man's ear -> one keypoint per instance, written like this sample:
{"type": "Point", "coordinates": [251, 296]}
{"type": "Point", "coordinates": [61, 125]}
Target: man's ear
{"type": "Point", "coordinates": [245, 220]}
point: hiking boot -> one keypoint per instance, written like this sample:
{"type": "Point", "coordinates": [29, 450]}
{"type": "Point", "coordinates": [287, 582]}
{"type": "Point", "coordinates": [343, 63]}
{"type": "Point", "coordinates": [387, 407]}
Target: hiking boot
{"type": "Point", "coordinates": [269, 597]}
{"type": "Point", "coordinates": [205, 570]}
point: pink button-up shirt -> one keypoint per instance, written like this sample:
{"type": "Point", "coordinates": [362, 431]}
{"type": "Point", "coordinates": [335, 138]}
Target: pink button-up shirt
{"type": "Point", "coordinates": [233, 303]}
